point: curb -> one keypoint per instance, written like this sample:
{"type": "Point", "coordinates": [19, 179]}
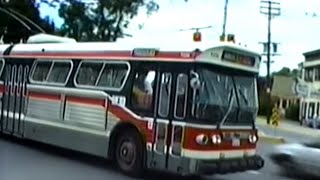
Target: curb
{"type": "Point", "coordinates": [271, 139]}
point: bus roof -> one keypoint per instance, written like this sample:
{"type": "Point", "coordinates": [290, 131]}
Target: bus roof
{"type": "Point", "coordinates": [134, 51]}
{"type": "Point", "coordinates": [118, 46]}
{"type": "Point", "coordinates": [3, 48]}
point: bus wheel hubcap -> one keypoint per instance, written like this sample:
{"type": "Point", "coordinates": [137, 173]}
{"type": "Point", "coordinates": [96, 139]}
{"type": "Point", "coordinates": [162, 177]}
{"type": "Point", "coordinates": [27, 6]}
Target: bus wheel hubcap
{"type": "Point", "coordinates": [127, 153]}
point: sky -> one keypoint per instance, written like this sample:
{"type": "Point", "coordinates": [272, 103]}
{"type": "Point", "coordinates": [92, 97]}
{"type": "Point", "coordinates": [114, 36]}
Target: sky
{"type": "Point", "coordinates": [296, 29]}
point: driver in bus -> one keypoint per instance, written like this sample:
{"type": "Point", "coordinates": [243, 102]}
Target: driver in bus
{"type": "Point", "coordinates": [142, 91]}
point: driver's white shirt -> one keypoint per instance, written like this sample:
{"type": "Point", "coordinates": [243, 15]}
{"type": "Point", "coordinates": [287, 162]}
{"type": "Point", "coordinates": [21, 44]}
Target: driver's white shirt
{"type": "Point", "coordinates": [148, 87]}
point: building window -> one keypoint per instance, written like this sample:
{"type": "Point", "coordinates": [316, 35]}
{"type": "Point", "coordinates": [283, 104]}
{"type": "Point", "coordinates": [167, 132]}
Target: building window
{"type": "Point", "coordinates": [309, 74]}
{"type": "Point", "coordinates": [317, 73]}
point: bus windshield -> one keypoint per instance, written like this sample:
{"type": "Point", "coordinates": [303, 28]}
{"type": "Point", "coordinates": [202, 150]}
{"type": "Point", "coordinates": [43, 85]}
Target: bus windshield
{"type": "Point", "coordinates": [225, 99]}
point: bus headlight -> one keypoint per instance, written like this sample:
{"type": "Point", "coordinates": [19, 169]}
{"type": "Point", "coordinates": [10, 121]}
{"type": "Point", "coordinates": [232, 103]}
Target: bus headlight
{"type": "Point", "coordinates": [253, 138]}
{"type": "Point", "coordinates": [216, 139]}
{"type": "Point", "coordinates": [202, 139]}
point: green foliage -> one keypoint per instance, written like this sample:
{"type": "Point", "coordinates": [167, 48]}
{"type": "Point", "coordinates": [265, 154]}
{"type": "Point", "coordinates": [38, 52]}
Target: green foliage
{"type": "Point", "coordinates": [23, 20]}
{"type": "Point", "coordinates": [264, 106]}
{"type": "Point", "coordinates": [292, 112]}
{"type": "Point", "coordinates": [263, 109]}
{"type": "Point", "coordinates": [100, 20]}
{"type": "Point", "coordinates": [287, 72]}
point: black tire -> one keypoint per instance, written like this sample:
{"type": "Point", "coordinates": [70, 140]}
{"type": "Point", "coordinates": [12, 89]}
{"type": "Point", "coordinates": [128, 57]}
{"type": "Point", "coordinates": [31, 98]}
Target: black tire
{"type": "Point", "coordinates": [129, 153]}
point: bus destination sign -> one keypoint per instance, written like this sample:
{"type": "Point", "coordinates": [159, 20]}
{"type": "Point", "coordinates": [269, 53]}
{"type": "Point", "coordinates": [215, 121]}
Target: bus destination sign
{"type": "Point", "coordinates": [238, 58]}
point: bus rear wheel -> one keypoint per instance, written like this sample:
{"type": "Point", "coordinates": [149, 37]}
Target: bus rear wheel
{"type": "Point", "coordinates": [129, 153]}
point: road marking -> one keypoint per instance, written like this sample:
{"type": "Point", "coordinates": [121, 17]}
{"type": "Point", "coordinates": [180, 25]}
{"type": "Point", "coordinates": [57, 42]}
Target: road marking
{"type": "Point", "coordinates": [254, 172]}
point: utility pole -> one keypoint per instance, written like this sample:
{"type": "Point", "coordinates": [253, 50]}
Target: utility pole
{"type": "Point", "coordinates": [273, 10]}
{"type": "Point", "coordinates": [223, 35]}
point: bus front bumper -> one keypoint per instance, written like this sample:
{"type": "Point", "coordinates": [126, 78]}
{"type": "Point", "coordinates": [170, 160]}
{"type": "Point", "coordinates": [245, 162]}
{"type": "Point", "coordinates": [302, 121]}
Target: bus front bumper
{"type": "Point", "coordinates": [230, 165]}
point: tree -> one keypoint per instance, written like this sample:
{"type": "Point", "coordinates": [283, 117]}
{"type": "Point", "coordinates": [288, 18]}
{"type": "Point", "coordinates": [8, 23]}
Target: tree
{"type": "Point", "coordinates": [99, 20]}
{"type": "Point", "coordinates": [20, 19]}
{"type": "Point", "coordinates": [285, 71]}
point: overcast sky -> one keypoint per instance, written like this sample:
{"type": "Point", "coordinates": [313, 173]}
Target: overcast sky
{"type": "Point", "coordinates": [296, 31]}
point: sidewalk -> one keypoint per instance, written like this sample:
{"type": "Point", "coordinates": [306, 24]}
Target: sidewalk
{"type": "Point", "coordinates": [289, 126]}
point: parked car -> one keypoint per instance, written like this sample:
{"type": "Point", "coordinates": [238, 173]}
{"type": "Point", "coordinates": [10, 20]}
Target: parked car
{"type": "Point", "coordinates": [312, 122]}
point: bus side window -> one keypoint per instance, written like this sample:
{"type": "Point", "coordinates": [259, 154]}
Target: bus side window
{"type": "Point", "coordinates": [181, 96]}
{"type": "Point", "coordinates": [165, 92]}
{"type": "Point", "coordinates": [41, 70]}
{"type": "Point", "coordinates": [60, 72]}
{"type": "Point", "coordinates": [88, 73]}
{"type": "Point", "coordinates": [142, 91]}
{"type": "Point", "coordinates": [113, 75]}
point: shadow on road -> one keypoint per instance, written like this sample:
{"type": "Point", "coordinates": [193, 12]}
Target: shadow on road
{"type": "Point", "coordinates": [91, 160]}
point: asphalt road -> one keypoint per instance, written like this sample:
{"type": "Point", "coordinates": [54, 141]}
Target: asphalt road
{"type": "Point", "coordinates": [34, 161]}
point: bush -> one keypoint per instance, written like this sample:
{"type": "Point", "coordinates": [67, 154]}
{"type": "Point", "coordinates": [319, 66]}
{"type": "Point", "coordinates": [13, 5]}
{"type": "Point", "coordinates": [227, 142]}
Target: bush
{"type": "Point", "coordinates": [264, 106]}
{"type": "Point", "coordinates": [292, 112]}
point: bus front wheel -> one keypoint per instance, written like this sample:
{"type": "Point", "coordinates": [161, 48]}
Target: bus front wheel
{"type": "Point", "coordinates": [129, 153]}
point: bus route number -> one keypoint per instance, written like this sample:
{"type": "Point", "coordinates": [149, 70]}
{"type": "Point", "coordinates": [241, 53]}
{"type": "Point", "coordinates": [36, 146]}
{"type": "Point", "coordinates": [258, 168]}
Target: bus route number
{"type": "Point", "coordinates": [120, 100]}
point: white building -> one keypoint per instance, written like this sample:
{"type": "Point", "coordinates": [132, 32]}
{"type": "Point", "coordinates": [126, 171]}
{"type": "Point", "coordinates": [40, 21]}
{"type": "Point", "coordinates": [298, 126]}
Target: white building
{"type": "Point", "coordinates": [308, 87]}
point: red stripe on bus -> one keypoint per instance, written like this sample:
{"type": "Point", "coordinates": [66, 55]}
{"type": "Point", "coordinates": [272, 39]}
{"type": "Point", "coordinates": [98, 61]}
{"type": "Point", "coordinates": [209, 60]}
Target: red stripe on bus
{"type": "Point", "coordinates": [176, 55]}
{"type": "Point", "coordinates": [124, 115]}
{"type": "Point", "coordinates": [1, 88]}
{"type": "Point", "coordinates": [45, 95]}
{"type": "Point", "coordinates": [89, 101]}
{"type": "Point", "coordinates": [191, 133]}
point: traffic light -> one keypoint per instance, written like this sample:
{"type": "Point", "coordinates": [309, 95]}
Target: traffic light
{"type": "Point", "coordinates": [197, 36]}
{"type": "Point", "coordinates": [222, 38]}
{"type": "Point", "coordinates": [230, 38]}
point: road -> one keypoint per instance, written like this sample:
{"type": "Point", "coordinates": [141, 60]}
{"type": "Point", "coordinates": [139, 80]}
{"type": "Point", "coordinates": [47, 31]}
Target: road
{"type": "Point", "coordinates": [33, 161]}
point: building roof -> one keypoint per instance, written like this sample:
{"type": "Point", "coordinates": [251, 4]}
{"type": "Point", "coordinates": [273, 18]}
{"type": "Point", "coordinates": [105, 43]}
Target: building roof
{"type": "Point", "coordinates": [313, 52]}
{"type": "Point", "coordinates": [283, 87]}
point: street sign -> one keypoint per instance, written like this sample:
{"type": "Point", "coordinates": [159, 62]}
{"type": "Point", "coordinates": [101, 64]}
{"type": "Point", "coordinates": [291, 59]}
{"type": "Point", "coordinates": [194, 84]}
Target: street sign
{"type": "Point", "coordinates": [275, 117]}
{"type": "Point", "coordinates": [301, 89]}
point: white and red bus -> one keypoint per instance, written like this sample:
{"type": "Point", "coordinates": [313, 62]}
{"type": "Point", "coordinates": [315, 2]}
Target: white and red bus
{"type": "Point", "coordinates": [184, 112]}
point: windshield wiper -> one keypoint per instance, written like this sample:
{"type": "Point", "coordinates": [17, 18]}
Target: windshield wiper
{"type": "Point", "coordinates": [231, 99]}
{"type": "Point", "coordinates": [244, 96]}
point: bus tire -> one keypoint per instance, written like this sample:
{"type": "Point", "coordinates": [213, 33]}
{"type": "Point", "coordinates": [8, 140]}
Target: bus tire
{"type": "Point", "coordinates": [129, 153]}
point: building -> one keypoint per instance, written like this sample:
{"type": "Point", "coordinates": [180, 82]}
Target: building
{"type": "Point", "coordinates": [308, 87]}
{"type": "Point", "coordinates": [282, 90]}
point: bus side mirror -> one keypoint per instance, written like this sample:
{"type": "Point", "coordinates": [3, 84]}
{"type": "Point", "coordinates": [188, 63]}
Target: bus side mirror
{"type": "Point", "coordinates": [195, 83]}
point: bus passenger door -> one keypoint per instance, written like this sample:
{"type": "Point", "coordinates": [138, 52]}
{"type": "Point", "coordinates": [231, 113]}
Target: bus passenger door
{"type": "Point", "coordinates": [162, 121]}
{"type": "Point", "coordinates": [179, 109]}
{"type": "Point", "coordinates": [14, 99]}
{"type": "Point", "coordinates": [168, 133]}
